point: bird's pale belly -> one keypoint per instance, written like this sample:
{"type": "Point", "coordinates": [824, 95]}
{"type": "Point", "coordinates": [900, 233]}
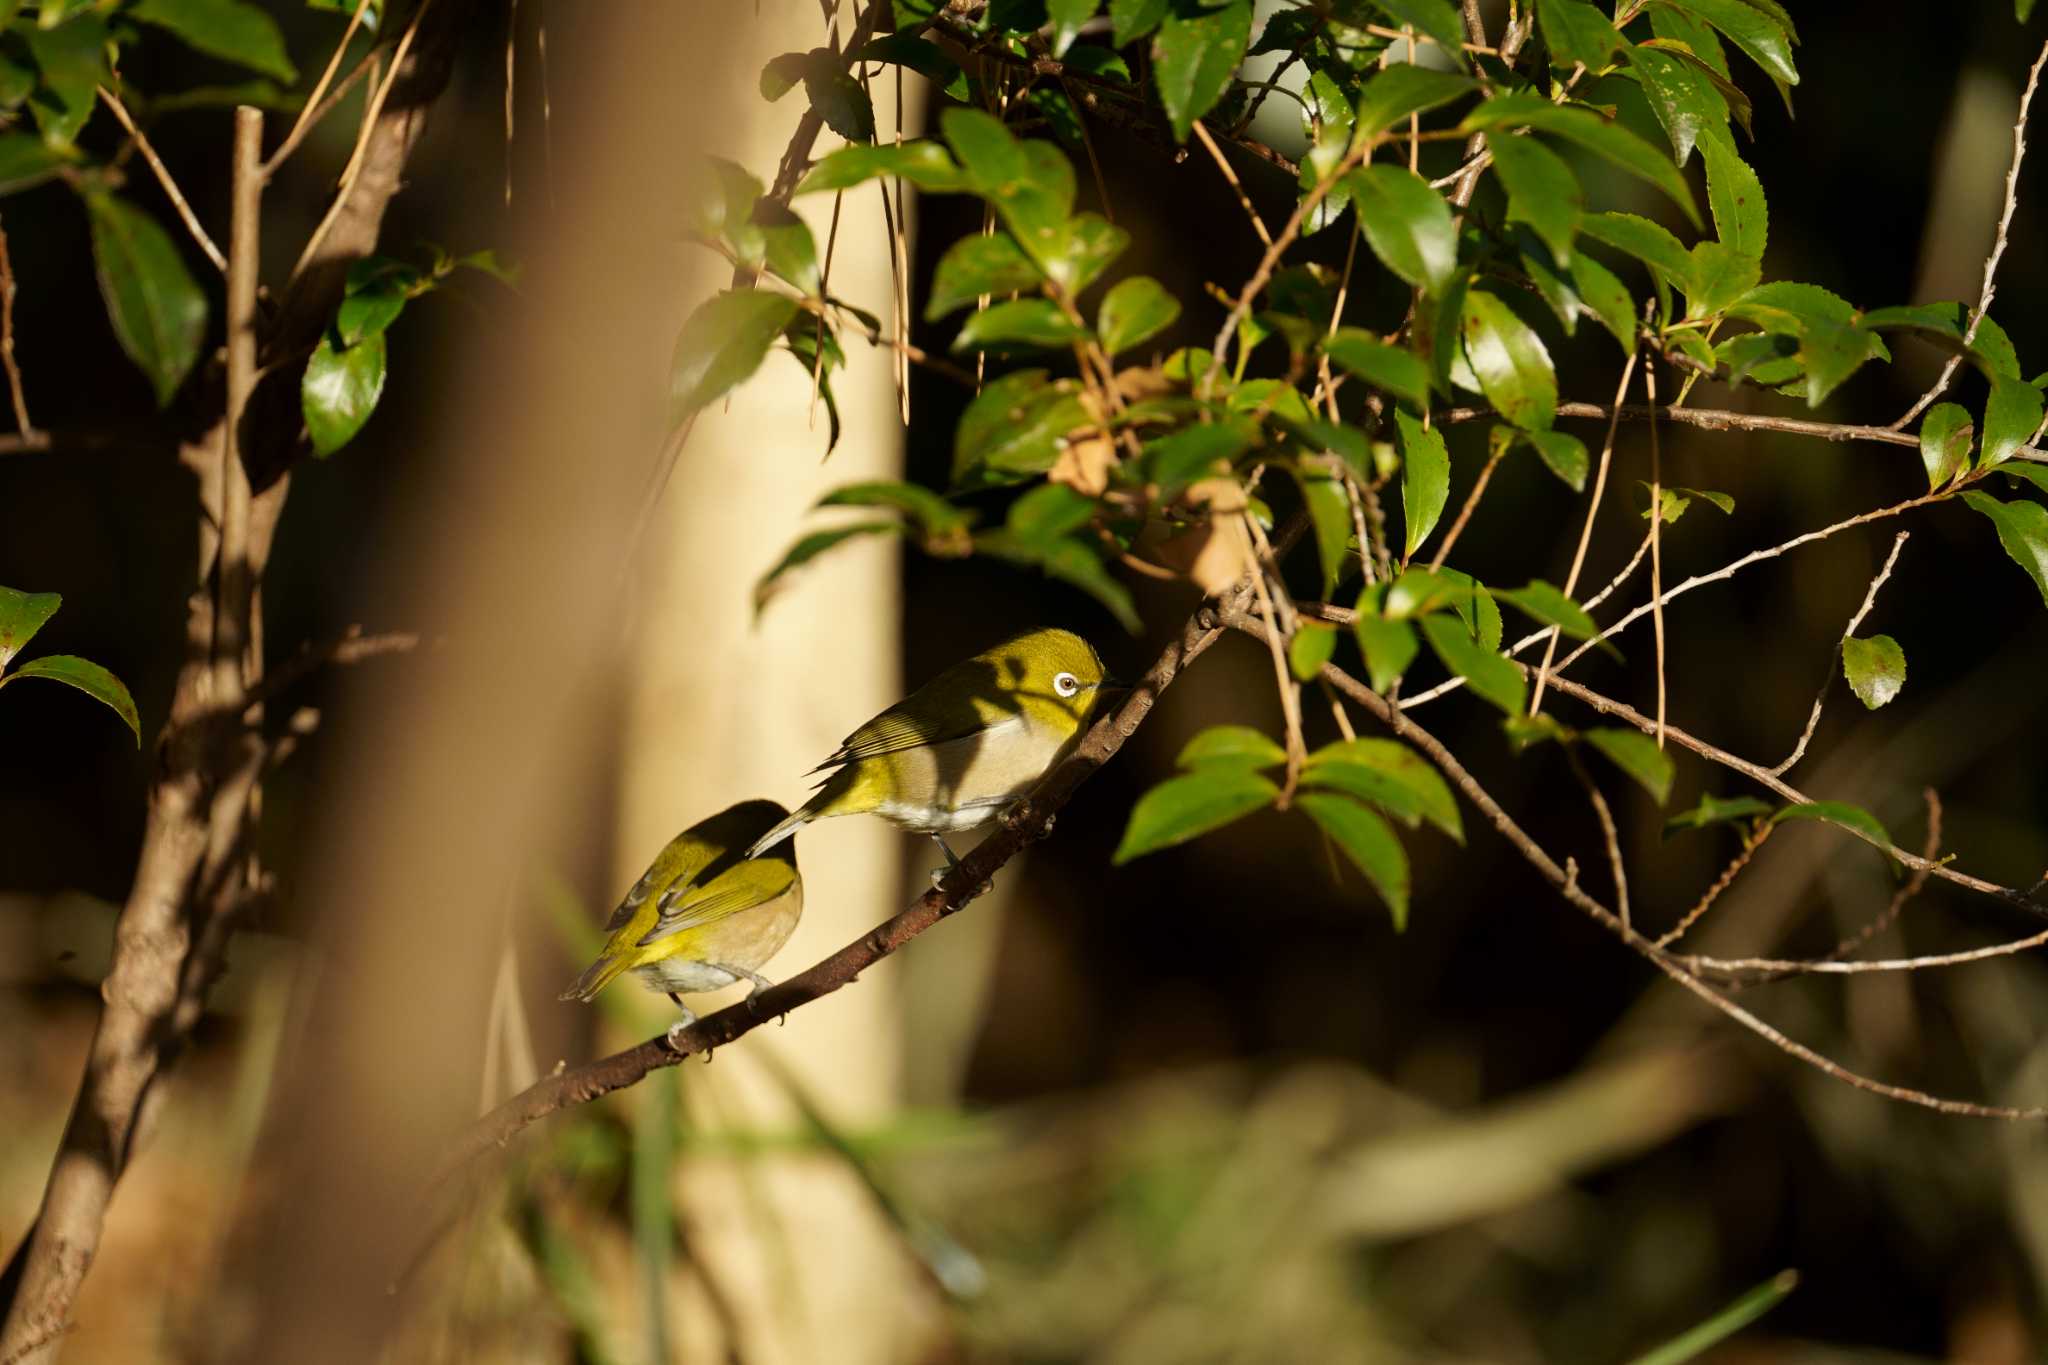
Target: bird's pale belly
{"type": "Point", "coordinates": [964, 783]}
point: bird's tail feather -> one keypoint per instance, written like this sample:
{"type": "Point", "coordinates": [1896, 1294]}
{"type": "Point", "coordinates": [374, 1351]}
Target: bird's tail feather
{"type": "Point", "coordinates": [596, 977]}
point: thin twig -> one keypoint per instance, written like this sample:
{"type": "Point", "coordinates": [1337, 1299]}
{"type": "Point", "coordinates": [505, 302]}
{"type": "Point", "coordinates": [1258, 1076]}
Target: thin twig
{"type": "Point", "coordinates": [1609, 835]}
{"type": "Point", "coordinates": [2012, 191]}
{"type": "Point", "coordinates": [163, 177]}
{"type": "Point", "coordinates": [1290, 691]}
{"type": "Point", "coordinates": [1751, 842]}
{"type": "Point", "coordinates": [1827, 683]}
{"type": "Point", "coordinates": [1571, 579]}
{"type": "Point", "coordinates": [26, 430]}
{"type": "Point", "coordinates": [1244, 200]}
{"type": "Point", "coordinates": [310, 112]}
{"type": "Point", "coordinates": [1656, 546]}
{"type": "Point", "coordinates": [1443, 549]}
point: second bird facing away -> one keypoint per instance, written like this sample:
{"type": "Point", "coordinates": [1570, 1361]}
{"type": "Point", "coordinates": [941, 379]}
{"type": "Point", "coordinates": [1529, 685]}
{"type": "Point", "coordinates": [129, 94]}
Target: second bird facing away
{"type": "Point", "coordinates": [708, 913]}
{"type": "Point", "coordinates": [954, 753]}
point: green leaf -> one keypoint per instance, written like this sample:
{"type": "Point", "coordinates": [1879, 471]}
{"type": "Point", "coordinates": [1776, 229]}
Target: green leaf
{"type": "Point", "coordinates": [1313, 646]}
{"type": "Point", "coordinates": [1067, 16]}
{"type": "Point", "coordinates": [1231, 746]}
{"type": "Point", "coordinates": [87, 677]}
{"type": "Point", "coordinates": [1388, 774]}
{"type": "Point", "coordinates": [72, 57]}
{"type": "Point", "coordinates": [1875, 668]}
{"type": "Point", "coordinates": [1677, 500]}
{"type": "Point", "coordinates": [228, 29]}
{"type": "Point", "coordinates": [1434, 19]}
{"type": "Point", "coordinates": [1019, 324]}
{"type": "Point", "coordinates": [810, 547]}
{"type": "Point", "coordinates": [1368, 843]}
{"type": "Point", "coordinates": [157, 308]}
{"type": "Point", "coordinates": [1130, 20]}
{"type": "Point", "coordinates": [1576, 33]}
{"type": "Point", "coordinates": [838, 98]}
{"type": "Point", "coordinates": [1389, 647]}
{"type": "Point", "coordinates": [1407, 224]}
{"type": "Point", "coordinates": [1329, 510]}
{"type": "Point", "coordinates": [1181, 808]}
{"type": "Point", "coordinates": [1013, 428]}
{"type": "Point", "coordinates": [782, 74]}
{"type": "Point", "coordinates": [1841, 813]}
{"type": "Point", "coordinates": [1736, 197]}
{"type": "Point", "coordinates": [2011, 416]}
{"type": "Point", "coordinates": [1758, 34]}
{"type": "Point", "coordinates": [2022, 530]}
{"type": "Point", "coordinates": [22, 614]}
{"type": "Point", "coordinates": [1394, 369]}
{"type": "Point", "coordinates": [340, 391]}
{"type": "Point", "coordinates": [1713, 810]}
{"type": "Point", "coordinates": [1081, 248]}
{"type": "Point", "coordinates": [787, 246]}
{"type": "Point", "coordinates": [977, 265]}
{"type": "Point", "coordinates": [1510, 361]}
{"type": "Point", "coordinates": [1563, 455]}
{"type": "Point", "coordinates": [1606, 297]}
{"type": "Point", "coordinates": [1133, 312]}
{"type": "Point", "coordinates": [1730, 1320]}
{"type": "Point", "coordinates": [1832, 342]}
{"type": "Point", "coordinates": [1490, 675]}
{"type": "Point", "coordinates": [1475, 607]}
{"type": "Point", "coordinates": [1195, 54]}
{"type": "Point", "coordinates": [1610, 141]}
{"type": "Point", "coordinates": [27, 161]}
{"type": "Point", "coordinates": [932, 513]}
{"type": "Point", "coordinates": [1398, 91]}
{"type": "Point", "coordinates": [923, 163]}
{"type": "Point", "coordinates": [1425, 479]}
{"type": "Point", "coordinates": [1071, 561]}
{"type": "Point", "coordinates": [1649, 243]}
{"type": "Point", "coordinates": [1173, 462]}
{"type": "Point", "coordinates": [923, 56]}
{"type": "Point", "coordinates": [1684, 101]}
{"type": "Point", "coordinates": [1993, 349]}
{"type": "Point", "coordinates": [1030, 184]}
{"type": "Point", "coordinates": [1637, 755]}
{"type": "Point", "coordinates": [1047, 514]}
{"type": "Point", "coordinates": [1542, 191]}
{"type": "Point", "coordinates": [722, 344]}
{"type": "Point", "coordinates": [1946, 433]}
{"type": "Point", "coordinates": [1720, 276]}
{"type": "Point", "coordinates": [1546, 605]}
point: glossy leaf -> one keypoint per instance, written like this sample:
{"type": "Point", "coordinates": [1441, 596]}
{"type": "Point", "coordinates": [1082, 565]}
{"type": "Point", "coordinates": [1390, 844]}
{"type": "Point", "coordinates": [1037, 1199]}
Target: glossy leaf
{"type": "Point", "coordinates": [1840, 813]}
{"type": "Point", "coordinates": [1049, 513]}
{"type": "Point", "coordinates": [1395, 369]}
{"type": "Point", "coordinates": [1425, 480]}
{"type": "Point", "coordinates": [1398, 91]}
{"type": "Point", "coordinates": [1181, 808]}
{"type": "Point", "coordinates": [1130, 20]}
{"type": "Point", "coordinates": [1636, 754]}
{"type": "Point", "coordinates": [1606, 297]}
{"type": "Point", "coordinates": [1475, 607]}
{"type": "Point", "coordinates": [1758, 34]}
{"type": "Point", "coordinates": [723, 343]}
{"type": "Point", "coordinates": [1389, 774]}
{"type": "Point", "coordinates": [340, 390]}
{"type": "Point", "coordinates": [1194, 55]}
{"type": "Point", "coordinates": [87, 677]}
{"type": "Point", "coordinates": [1736, 198]}
{"type": "Point", "coordinates": [923, 56]}
{"type": "Point", "coordinates": [1609, 141]}
{"type": "Point", "coordinates": [932, 513]}
{"type": "Point", "coordinates": [1173, 462]}
{"type": "Point", "coordinates": [787, 247]}
{"type": "Point", "coordinates": [1133, 312]}
{"type": "Point", "coordinates": [1875, 668]}
{"type": "Point", "coordinates": [1576, 33]}
{"type": "Point", "coordinates": [1329, 509]}
{"type": "Point", "coordinates": [1946, 434]}
{"type": "Point", "coordinates": [72, 60]}
{"type": "Point", "coordinates": [1715, 810]}
{"type": "Point", "coordinates": [1072, 561]}
{"type": "Point", "coordinates": [1649, 243]}
{"type": "Point", "coordinates": [2022, 530]}
{"type": "Point", "coordinates": [976, 265]}
{"type": "Point", "coordinates": [923, 163]}
{"type": "Point", "coordinates": [229, 29]}
{"type": "Point", "coordinates": [1490, 675]}
{"type": "Point", "coordinates": [1368, 842]}
{"type": "Point", "coordinates": [1435, 19]}
{"type": "Point", "coordinates": [1313, 646]}
{"type": "Point", "coordinates": [157, 308]}
{"type": "Point", "coordinates": [1685, 102]}
{"type": "Point", "coordinates": [1510, 361]}
{"type": "Point", "coordinates": [810, 547]}
{"type": "Point", "coordinates": [1014, 426]}
{"type": "Point", "coordinates": [1407, 224]}
{"type": "Point", "coordinates": [1719, 277]}
{"type": "Point", "coordinates": [1389, 646]}
{"type": "Point", "coordinates": [22, 614]}
{"type": "Point", "coordinates": [1080, 248]}
{"type": "Point", "coordinates": [2011, 416]}
{"type": "Point", "coordinates": [1547, 605]}
{"type": "Point", "coordinates": [1231, 746]}
{"type": "Point", "coordinates": [1019, 324]}
{"type": "Point", "coordinates": [1542, 191]}
{"type": "Point", "coordinates": [1563, 455]}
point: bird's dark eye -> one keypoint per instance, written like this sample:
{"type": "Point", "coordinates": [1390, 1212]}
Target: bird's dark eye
{"type": "Point", "coordinates": [1066, 684]}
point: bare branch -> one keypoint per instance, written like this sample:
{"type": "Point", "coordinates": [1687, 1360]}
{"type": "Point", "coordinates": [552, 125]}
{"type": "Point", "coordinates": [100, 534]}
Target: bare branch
{"type": "Point", "coordinates": [313, 111]}
{"type": "Point", "coordinates": [1835, 663]}
{"type": "Point", "coordinates": [163, 177]}
{"type": "Point", "coordinates": [26, 429]}
{"type": "Point", "coordinates": [1751, 842]}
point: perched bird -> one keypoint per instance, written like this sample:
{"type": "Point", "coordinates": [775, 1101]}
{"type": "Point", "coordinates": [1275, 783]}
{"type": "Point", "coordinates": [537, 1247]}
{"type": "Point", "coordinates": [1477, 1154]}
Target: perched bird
{"type": "Point", "coordinates": [951, 755]}
{"type": "Point", "coordinates": [708, 913]}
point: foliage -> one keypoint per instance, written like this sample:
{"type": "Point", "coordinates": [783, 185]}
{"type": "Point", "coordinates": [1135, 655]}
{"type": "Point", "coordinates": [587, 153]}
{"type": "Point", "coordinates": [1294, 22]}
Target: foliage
{"type": "Point", "coordinates": [22, 614]}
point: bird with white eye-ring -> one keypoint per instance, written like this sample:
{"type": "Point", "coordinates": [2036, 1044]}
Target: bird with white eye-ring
{"type": "Point", "coordinates": [955, 753]}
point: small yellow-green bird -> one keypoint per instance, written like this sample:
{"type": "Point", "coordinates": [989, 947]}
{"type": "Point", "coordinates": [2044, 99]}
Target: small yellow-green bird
{"type": "Point", "coordinates": [954, 753]}
{"type": "Point", "coordinates": [708, 913]}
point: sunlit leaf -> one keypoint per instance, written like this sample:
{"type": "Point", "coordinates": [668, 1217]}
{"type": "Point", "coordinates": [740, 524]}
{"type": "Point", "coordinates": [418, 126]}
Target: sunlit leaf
{"type": "Point", "coordinates": [1133, 312]}
{"type": "Point", "coordinates": [1425, 479]}
{"type": "Point", "coordinates": [89, 678]}
{"type": "Point", "coordinates": [230, 29]}
{"type": "Point", "coordinates": [1715, 810]}
{"type": "Point", "coordinates": [1368, 842]}
{"type": "Point", "coordinates": [1946, 434]}
{"type": "Point", "coordinates": [1389, 774]}
{"type": "Point", "coordinates": [1196, 52]}
{"type": "Point", "coordinates": [1636, 754]}
{"type": "Point", "coordinates": [340, 390]}
{"type": "Point", "coordinates": [1407, 224]}
{"type": "Point", "coordinates": [1875, 668]}
{"type": "Point", "coordinates": [1181, 808]}
{"type": "Point", "coordinates": [1489, 674]}
{"type": "Point", "coordinates": [1231, 746]}
{"type": "Point", "coordinates": [22, 614]}
{"type": "Point", "coordinates": [2022, 530]}
{"type": "Point", "coordinates": [1312, 646]}
{"type": "Point", "coordinates": [722, 344]}
{"type": "Point", "coordinates": [1511, 362]}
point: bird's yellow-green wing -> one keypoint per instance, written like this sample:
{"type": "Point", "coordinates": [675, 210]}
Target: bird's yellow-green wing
{"type": "Point", "coordinates": [969, 698]}
{"type": "Point", "coordinates": [679, 864]}
{"type": "Point", "coordinates": [741, 887]}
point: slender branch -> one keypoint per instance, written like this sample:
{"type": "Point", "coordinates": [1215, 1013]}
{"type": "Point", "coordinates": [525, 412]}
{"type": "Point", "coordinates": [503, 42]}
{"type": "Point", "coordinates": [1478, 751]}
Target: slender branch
{"type": "Point", "coordinates": [312, 111]}
{"type": "Point", "coordinates": [2012, 192]}
{"type": "Point", "coordinates": [1471, 504]}
{"type": "Point", "coordinates": [1656, 546]}
{"type": "Point", "coordinates": [1025, 822]}
{"type": "Point", "coordinates": [1566, 883]}
{"type": "Point", "coordinates": [25, 429]}
{"type": "Point", "coordinates": [1828, 682]}
{"type": "Point", "coordinates": [1571, 580]}
{"type": "Point", "coordinates": [1610, 836]}
{"type": "Point", "coordinates": [1244, 200]}
{"type": "Point", "coordinates": [163, 177]}
{"type": "Point", "coordinates": [1751, 842]}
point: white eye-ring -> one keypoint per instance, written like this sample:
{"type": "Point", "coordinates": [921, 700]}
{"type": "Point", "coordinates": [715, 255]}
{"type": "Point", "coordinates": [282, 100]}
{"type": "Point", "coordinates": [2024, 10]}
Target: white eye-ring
{"type": "Point", "coordinates": [1066, 684]}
